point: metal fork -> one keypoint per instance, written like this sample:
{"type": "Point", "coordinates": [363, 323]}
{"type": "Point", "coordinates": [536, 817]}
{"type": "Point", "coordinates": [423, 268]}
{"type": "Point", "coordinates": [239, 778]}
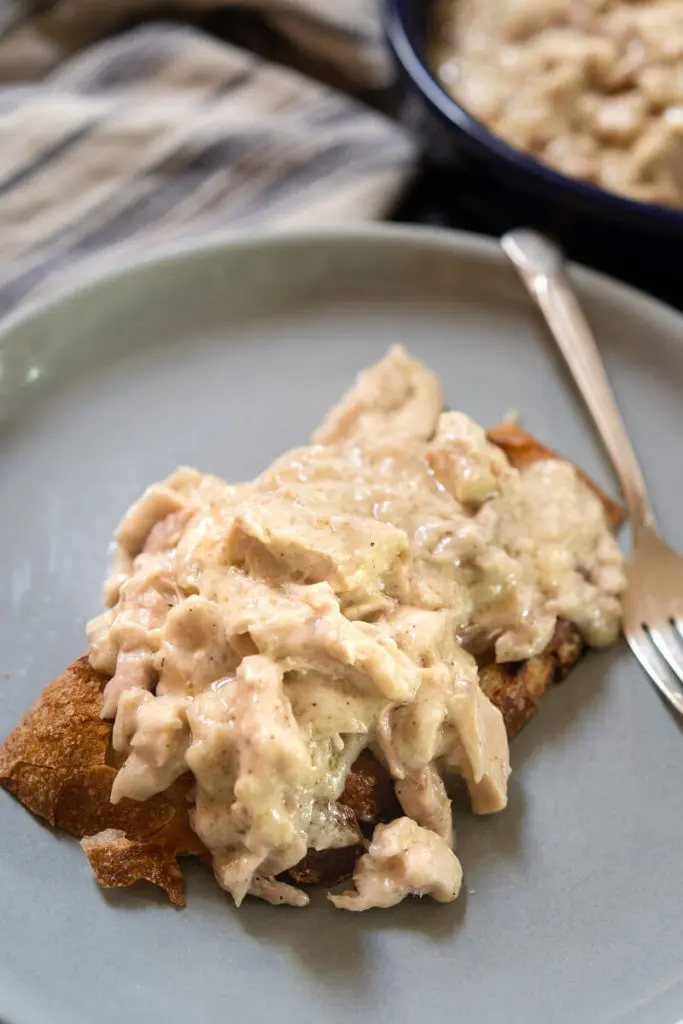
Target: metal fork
{"type": "Point", "coordinates": [653, 603]}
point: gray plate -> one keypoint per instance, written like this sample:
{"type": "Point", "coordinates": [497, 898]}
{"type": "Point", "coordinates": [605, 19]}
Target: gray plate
{"type": "Point", "coordinates": [222, 356]}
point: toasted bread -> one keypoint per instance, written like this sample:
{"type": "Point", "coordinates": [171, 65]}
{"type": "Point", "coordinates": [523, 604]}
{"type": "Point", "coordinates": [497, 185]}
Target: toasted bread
{"type": "Point", "coordinates": [58, 763]}
{"type": "Point", "coordinates": [517, 689]}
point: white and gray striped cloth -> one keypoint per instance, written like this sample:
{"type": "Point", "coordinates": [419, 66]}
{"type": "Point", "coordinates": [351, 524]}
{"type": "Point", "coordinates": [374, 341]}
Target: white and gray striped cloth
{"type": "Point", "coordinates": [121, 127]}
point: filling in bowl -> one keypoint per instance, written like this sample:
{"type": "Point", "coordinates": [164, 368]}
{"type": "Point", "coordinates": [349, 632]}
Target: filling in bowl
{"type": "Point", "coordinates": [593, 88]}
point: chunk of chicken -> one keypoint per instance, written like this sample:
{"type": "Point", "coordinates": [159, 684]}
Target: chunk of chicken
{"type": "Point", "coordinates": [423, 797]}
{"type": "Point", "coordinates": [331, 706]}
{"type": "Point", "coordinates": [425, 636]}
{"type": "Point", "coordinates": [303, 629]}
{"type": "Point", "coordinates": [278, 540]}
{"type": "Point", "coordinates": [395, 398]}
{"type": "Point", "coordinates": [165, 534]}
{"type": "Point", "coordinates": [277, 893]}
{"type": "Point", "coordinates": [403, 859]}
{"type": "Point", "coordinates": [145, 600]}
{"type": "Point", "coordinates": [250, 759]}
{"type": "Point", "coordinates": [475, 744]}
{"type": "Point", "coordinates": [486, 765]}
{"type": "Point", "coordinates": [103, 650]}
{"type": "Point", "coordinates": [452, 722]}
{"type": "Point", "coordinates": [466, 463]}
{"type": "Point", "coordinates": [157, 503]}
{"type": "Point", "coordinates": [155, 732]}
{"type": "Point", "coordinates": [194, 651]}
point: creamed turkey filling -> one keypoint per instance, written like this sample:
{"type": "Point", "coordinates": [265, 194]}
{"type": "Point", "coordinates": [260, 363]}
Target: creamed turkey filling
{"type": "Point", "coordinates": [261, 636]}
{"type": "Point", "coordinates": [593, 88]}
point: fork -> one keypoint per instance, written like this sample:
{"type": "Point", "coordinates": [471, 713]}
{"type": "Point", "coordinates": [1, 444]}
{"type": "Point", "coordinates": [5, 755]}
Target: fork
{"type": "Point", "coordinates": [653, 602]}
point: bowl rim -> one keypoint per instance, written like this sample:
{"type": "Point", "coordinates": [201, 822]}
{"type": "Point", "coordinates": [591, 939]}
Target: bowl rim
{"type": "Point", "coordinates": [406, 52]}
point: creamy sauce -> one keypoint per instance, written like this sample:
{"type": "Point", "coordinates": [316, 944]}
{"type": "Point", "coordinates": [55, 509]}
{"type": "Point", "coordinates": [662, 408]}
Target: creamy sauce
{"type": "Point", "coordinates": [261, 636]}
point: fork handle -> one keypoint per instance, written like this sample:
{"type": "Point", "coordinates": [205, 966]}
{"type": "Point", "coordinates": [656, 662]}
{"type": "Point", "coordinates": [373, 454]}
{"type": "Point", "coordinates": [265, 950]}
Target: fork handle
{"type": "Point", "coordinates": [542, 267]}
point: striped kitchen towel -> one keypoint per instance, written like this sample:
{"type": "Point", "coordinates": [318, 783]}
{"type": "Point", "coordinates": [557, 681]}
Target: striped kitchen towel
{"type": "Point", "coordinates": [112, 141]}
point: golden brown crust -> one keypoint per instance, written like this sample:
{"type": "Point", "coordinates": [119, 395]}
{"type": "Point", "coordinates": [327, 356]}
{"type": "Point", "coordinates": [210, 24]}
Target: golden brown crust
{"type": "Point", "coordinates": [56, 763]}
{"type": "Point", "coordinates": [326, 867]}
{"type": "Point", "coordinates": [330, 867]}
{"type": "Point", "coordinates": [117, 862]}
{"type": "Point", "coordinates": [40, 738]}
{"type": "Point", "coordinates": [523, 449]}
{"type": "Point", "coordinates": [369, 791]}
{"type": "Point", "coordinates": [517, 689]}
{"type": "Point", "coordinates": [567, 647]}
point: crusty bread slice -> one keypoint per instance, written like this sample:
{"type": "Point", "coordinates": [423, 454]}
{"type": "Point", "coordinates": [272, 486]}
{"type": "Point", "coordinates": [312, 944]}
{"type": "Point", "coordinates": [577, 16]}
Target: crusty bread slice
{"type": "Point", "coordinates": [517, 689]}
{"type": "Point", "coordinates": [59, 761]}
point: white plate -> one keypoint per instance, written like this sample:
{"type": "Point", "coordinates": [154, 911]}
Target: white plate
{"type": "Point", "coordinates": [222, 356]}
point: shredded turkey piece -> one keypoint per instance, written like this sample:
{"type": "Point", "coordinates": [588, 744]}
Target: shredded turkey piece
{"type": "Point", "coordinates": [261, 636]}
{"type": "Point", "coordinates": [403, 860]}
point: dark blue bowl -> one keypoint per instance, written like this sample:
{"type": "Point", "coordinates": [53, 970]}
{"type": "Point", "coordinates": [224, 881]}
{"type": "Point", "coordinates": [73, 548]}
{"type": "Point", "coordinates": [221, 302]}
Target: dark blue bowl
{"type": "Point", "coordinates": [509, 186]}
